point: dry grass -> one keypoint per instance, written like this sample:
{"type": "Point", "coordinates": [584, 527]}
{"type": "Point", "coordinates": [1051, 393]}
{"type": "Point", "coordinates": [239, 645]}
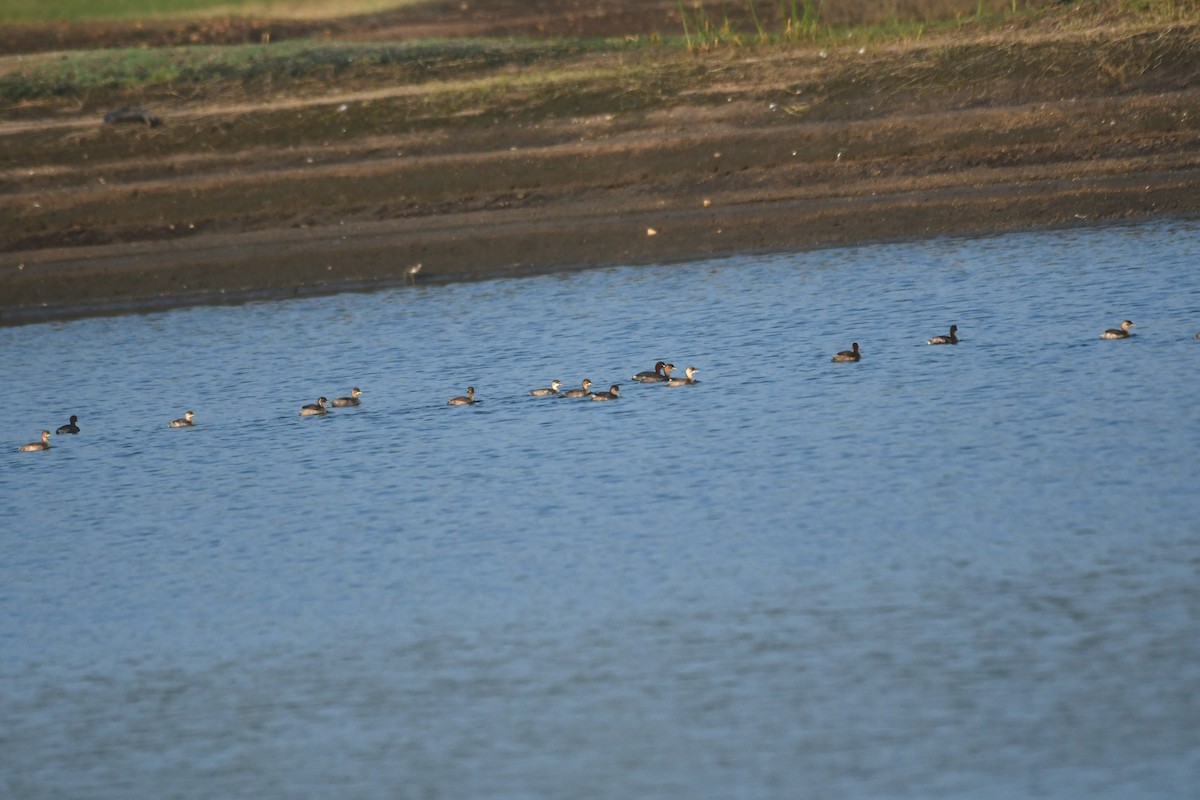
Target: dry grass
{"type": "Point", "coordinates": [1133, 38]}
{"type": "Point", "coordinates": [75, 10]}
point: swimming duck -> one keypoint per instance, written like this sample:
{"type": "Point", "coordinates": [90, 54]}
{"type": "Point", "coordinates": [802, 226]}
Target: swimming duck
{"type": "Point", "coordinates": [688, 379]}
{"type": "Point", "coordinates": [70, 427]}
{"type": "Point", "coordinates": [314, 409]}
{"type": "Point", "coordinates": [1118, 333]}
{"type": "Point", "coordinates": [584, 392]}
{"type": "Point", "coordinates": [183, 422]}
{"type": "Point", "coordinates": [951, 339]}
{"type": "Point", "coordinates": [848, 355]}
{"type": "Point", "coordinates": [613, 393]}
{"type": "Point", "coordinates": [547, 391]}
{"type": "Point", "coordinates": [661, 373]}
{"type": "Point", "coordinates": [463, 401]}
{"type": "Point", "coordinates": [44, 444]}
{"type": "Point", "coordinates": [352, 400]}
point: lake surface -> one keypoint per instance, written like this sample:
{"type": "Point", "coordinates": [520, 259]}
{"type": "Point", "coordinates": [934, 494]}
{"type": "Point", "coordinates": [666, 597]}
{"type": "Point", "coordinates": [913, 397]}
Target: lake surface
{"type": "Point", "coordinates": [966, 571]}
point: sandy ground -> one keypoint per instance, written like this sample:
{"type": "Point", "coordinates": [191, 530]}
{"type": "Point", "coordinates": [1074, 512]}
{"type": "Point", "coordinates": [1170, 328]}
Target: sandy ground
{"type": "Point", "coordinates": [756, 151]}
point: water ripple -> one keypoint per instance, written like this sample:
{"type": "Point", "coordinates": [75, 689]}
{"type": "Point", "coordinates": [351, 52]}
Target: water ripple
{"type": "Point", "coordinates": [943, 571]}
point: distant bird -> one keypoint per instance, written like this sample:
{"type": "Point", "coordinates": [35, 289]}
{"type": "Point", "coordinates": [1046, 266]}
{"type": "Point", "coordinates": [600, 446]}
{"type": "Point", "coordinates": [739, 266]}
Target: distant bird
{"type": "Point", "coordinates": [469, 399]}
{"type": "Point", "coordinates": [547, 391]}
{"type": "Point", "coordinates": [613, 393]}
{"type": "Point", "coordinates": [951, 339]}
{"type": "Point", "coordinates": [661, 373]}
{"type": "Point", "coordinates": [314, 409]}
{"type": "Point", "coordinates": [849, 355]}
{"type": "Point", "coordinates": [688, 379]}
{"type": "Point", "coordinates": [584, 392]}
{"type": "Point", "coordinates": [1118, 333]}
{"type": "Point", "coordinates": [183, 422]}
{"type": "Point", "coordinates": [352, 400]}
{"type": "Point", "coordinates": [410, 274]}
{"type": "Point", "coordinates": [70, 427]}
{"type": "Point", "coordinates": [44, 444]}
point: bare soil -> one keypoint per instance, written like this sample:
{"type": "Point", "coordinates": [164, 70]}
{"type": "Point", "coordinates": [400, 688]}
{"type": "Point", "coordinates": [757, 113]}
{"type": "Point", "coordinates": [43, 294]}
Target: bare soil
{"type": "Point", "coordinates": [637, 156]}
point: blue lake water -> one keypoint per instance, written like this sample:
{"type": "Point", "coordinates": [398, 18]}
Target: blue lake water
{"type": "Point", "coordinates": [967, 571]}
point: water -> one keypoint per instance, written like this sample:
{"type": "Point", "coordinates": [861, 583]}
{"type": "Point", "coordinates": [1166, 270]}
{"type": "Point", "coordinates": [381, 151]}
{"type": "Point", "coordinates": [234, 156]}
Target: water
{"type": "Point", "coordinates": [962, 571]}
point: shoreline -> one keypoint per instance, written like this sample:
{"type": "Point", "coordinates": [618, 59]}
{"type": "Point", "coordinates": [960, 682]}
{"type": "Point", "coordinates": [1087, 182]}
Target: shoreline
{"type": "Point", "coordinates": [133, 277]}
{"type": "Point", "coordinates": [497, 161]}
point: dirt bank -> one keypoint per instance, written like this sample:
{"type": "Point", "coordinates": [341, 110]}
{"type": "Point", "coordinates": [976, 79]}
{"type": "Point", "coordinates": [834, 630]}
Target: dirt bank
{"type": "Point", "coordinates": [601, 157]}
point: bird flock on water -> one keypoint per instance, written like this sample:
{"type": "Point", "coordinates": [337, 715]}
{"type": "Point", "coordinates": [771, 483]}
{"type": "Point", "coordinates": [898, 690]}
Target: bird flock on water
{"type": "Point", "coordinates": [662, 373]}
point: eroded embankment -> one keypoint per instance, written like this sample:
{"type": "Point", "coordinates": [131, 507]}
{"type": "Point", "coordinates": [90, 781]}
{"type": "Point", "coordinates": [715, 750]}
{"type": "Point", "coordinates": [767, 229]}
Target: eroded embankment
{"type": "Point", "coordinates": [777, 148]}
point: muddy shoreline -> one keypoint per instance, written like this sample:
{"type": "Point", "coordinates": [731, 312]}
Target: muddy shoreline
{"type": "Point", "coordinates": [495, 165]}
{"type": "Point", "coordinates": [230, 268]}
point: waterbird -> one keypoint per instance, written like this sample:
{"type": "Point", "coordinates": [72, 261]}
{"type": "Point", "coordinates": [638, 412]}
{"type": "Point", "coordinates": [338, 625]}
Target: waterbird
{"type": "Point", "coordinates": [661, 373]}
{"type": "Point", "coordinates": [1118, 333]}
{"type": "Point", "coordinates": [352, 400]}
{"type": "Point", "coordinates": [852, 354]}
{"type": "Point", "coordinates": [463, 401]}
{"type": "Point", "coordinates": [410, 274]}
{"type": "Point", "coordinates": [951, 339]}
{"type": "Point", "coordinates": [44, 444]}
{"type": "Point", "coordinates": [183, 422]}
{"type": "Point", "coordinates": [688, 379]}
{"type": "Point", "coordinates": [314, 409]}
{"type": "Point", "coordinates": [547, 391]}
{"type": "Point", "coordinates": [613, 393]}
{"type": "Point", "coordinates": [70, 427]}
{"type": "Point", "coordinates": [583, 392]}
